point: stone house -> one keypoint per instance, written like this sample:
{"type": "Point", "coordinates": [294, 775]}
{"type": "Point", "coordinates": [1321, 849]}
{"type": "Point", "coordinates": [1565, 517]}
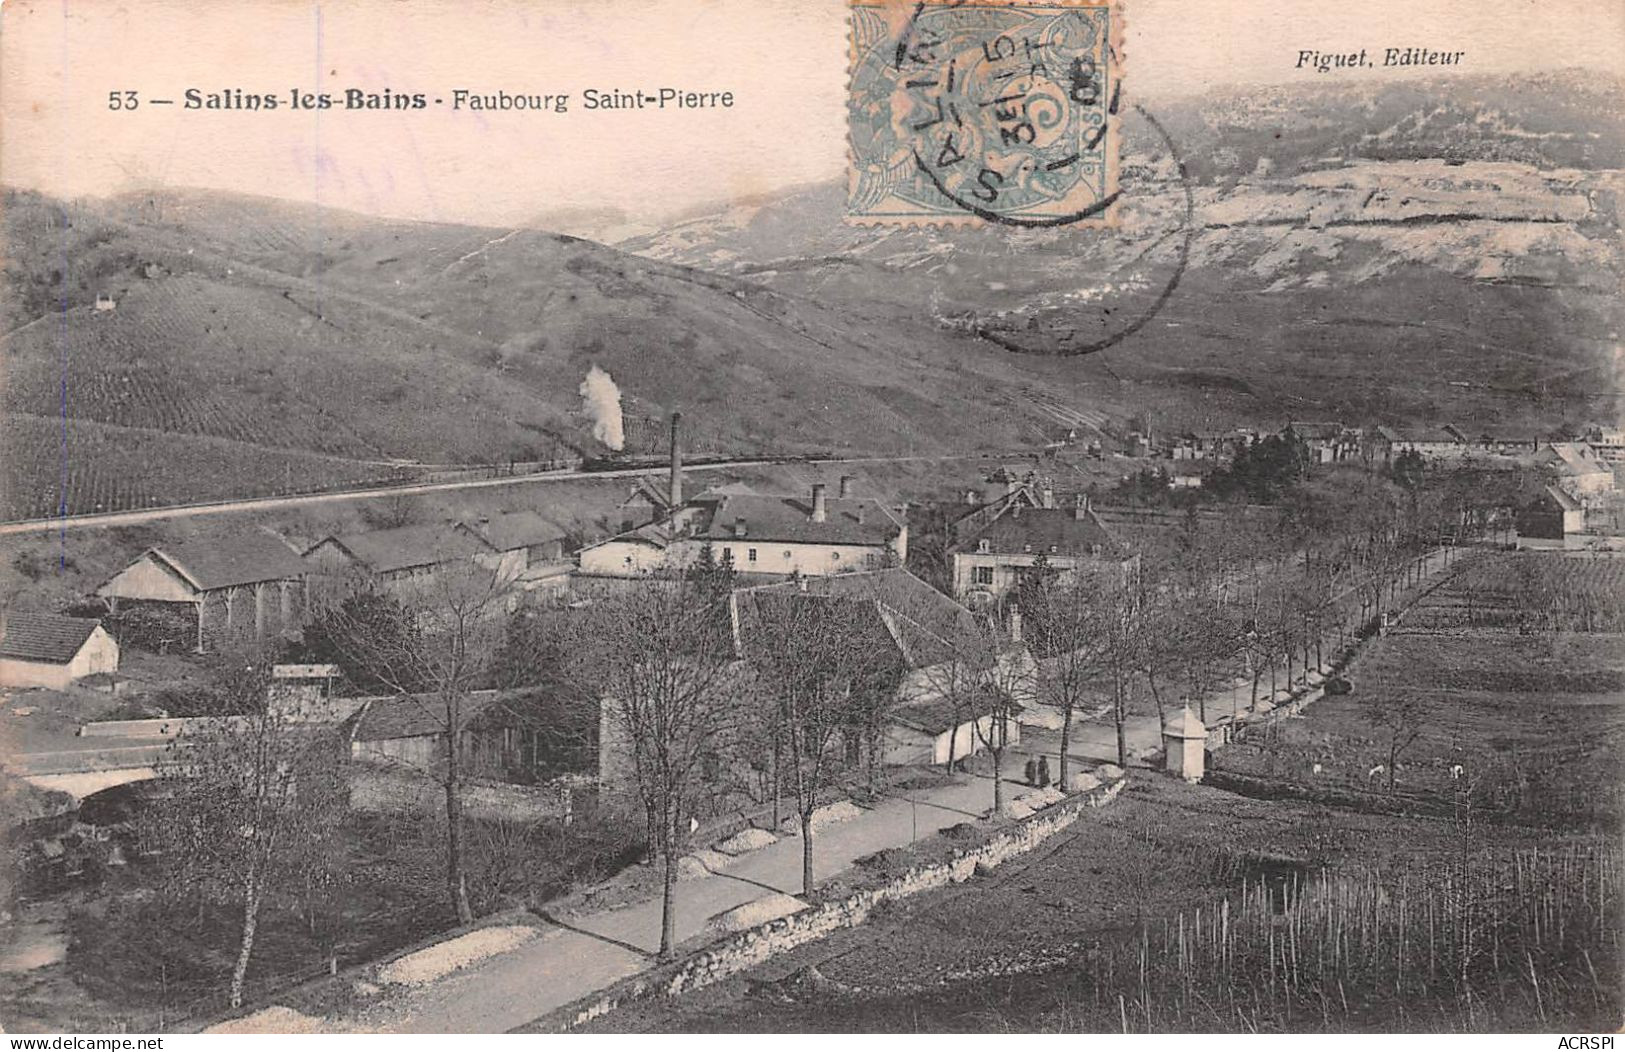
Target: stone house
{"type": "Point", "coordinates": [395, 556]}
{"type": "Point", "coordinates": [947, 666]}
{"type": "Point", "coordinates": [998, 549]}
{"type": "Point", "coordinates": [1550, 514]}
{"type": "Point", "coordinates": [778, 535]}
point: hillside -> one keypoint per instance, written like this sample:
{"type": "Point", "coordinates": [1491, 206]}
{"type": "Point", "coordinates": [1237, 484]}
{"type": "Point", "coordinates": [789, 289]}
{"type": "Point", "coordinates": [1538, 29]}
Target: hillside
{"type": "Point", "coordinates": [1377, 254]}
{"type": "Point", "coordinates": [1382, 254]}
{"type": "Point", "coordinates": [303, 347]}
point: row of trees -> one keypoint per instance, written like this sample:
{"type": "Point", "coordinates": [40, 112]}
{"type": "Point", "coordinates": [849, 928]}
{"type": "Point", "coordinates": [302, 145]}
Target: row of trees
{"type": "Point", "coordinates": [1265, 595]}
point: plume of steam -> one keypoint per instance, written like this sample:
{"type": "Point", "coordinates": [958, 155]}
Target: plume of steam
{"type": "Point", "coordinates": [601, 401]}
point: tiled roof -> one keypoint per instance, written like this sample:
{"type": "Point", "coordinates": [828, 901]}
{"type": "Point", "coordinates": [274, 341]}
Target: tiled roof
{"type": "Point", "coordinates": [413, 715]}
{"type": "Point", "coordinates": [244, 558]}
{"type": "Point", "coordinates": [408, 547]}
{"type": "Point", "coordinates": [772, 518]}
{"type": "Point", "coordinates": [517, 529]}
{"type": "Point", "coordinates": [1043, 531]}
{"type": "Point", "coordinates": [28, 636]}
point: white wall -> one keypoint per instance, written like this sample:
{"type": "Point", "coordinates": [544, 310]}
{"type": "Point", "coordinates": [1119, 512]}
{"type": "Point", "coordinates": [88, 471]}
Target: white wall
{"type": "Point", "coordinates": [15, 673]}
{"type": "Point", "coordinates": [810, 560]}
{"type": "Point", "coordinates": [615, 558]}
{"type": "Point", "coordinates": [99, 654]}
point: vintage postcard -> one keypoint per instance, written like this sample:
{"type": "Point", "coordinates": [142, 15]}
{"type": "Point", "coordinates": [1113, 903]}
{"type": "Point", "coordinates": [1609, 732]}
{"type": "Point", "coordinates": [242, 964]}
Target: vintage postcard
{"type": "Point", "coordinates": [888, 516]}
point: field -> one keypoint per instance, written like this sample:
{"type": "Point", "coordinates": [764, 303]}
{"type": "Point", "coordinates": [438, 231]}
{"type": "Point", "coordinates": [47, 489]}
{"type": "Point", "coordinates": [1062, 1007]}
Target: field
{"type": "Point", "coordinates": [1050, 942]}
{"type": "Point", "coordinates": [1478, 699]}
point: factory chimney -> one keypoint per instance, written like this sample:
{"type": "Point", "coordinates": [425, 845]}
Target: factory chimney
{"type": "Point", "coordinates": [676, 488]}
{"type": "Point", "coordinates": [819, 510]}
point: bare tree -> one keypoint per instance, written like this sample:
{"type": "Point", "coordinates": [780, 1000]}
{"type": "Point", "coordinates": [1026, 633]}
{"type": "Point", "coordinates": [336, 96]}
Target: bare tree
{"type": "Point", "coordinates": [662, 660]}
{"type": "Point", "coordinates": [1400, 718]}
{"type": "Point", "coordinates": [1066, 625]}
{"type": "Point", "coordinates": [1008, 687]}
{"type": "Point", "coordinates": [430, 641]}
{"type": "Point", "coordinates": [253, 803]}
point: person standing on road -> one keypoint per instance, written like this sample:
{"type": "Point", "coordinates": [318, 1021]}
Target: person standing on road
{"type": "Point", "coordinates": [1043, 770]}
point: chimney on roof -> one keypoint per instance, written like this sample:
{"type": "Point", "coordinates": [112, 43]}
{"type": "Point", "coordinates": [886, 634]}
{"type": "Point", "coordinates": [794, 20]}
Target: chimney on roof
{"type": "Point", "coordinates": [972, 497]}
{"type": "Point", "coordinates": [740, 529]}
{"type": "Point", "coordinates": [1080, 510]}
{"type": "Point", "coordinates": [1015, 624]}
{"type": "Point", "coordinates": [846, 487]}
{"type": "Point", "coordinates": [676, 489]}
{"type": "Point", "coordinates": [820, 510]}
{"type": "Point", "coordinates": [1048, 493]}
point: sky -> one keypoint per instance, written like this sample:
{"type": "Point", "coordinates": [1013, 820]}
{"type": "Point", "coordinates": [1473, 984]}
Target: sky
{"type": "Point", "coordinates": [783, 60]}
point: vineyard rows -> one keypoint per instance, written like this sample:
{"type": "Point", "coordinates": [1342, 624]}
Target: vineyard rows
{"type": "Point", "coordinates": [108, 377]}
{"type": "Point", "coordinates": [91, 468]}
{"type": "Point", "coordinates": [1531, 592]}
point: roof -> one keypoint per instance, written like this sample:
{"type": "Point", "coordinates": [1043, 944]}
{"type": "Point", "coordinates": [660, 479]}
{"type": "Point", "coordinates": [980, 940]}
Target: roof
{"type": "Point", "coordinates": [1041, 531]}
{"type": "Point", "coordinates": [853, 520]}
{"type": "Point", "coordinates": [1558, 496]}
{"type": "Point", "coordinates": [244, 558]}
{"type": "Point", "coordinates": [305, 672]}
{"type": "Point", "coordinates": [412, 715]}
{"type": "Point", "coordinates": [516, 529]}
{"type": "Point", "coordinates": [407, 547]}
{"type": "Point", "coordinates": [651, 490]}
{"type": "Point", "coordinates": [1186, 724]}
{"type": "Point", "coordinates": [926, 627]}
{"type": "Point", "coordinates": [1319, 430]}
{"type": "Point", "coordinates": [1571, 458]}
{"type": "Point", "coordinates": [1442, 434]}
{"type": "Point", "coordinates": [51, 638]}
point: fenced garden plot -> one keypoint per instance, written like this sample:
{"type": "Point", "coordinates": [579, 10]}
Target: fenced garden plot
{"type": "Point", "coordinates": [1528, 726]}
{"type": "Point", "coordinates": [1529, 943]}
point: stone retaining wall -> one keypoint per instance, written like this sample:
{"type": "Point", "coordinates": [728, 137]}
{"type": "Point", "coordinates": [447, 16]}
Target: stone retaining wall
{"type": "Point", "coordinates": [755, 945]}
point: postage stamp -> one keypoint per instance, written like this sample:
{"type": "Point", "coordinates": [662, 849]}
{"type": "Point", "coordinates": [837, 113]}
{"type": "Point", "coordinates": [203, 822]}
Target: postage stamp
{"type": "Point", "coordinates": [965, 112]}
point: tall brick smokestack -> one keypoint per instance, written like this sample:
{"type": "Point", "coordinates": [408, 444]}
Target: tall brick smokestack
{"type": "Point", "coordinates": [676, 488]}
{"type": "Point", "coordinates": [819, 509]}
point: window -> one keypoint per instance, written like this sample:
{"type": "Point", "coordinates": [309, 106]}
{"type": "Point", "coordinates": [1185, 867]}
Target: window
{"type": "Point", "coordinates": [984, 575]}
{"type": "Point", "coordinates": [750, 556]}
{"type": "Point", "coordinates": [835, 557]}
{"type": "Point", "coordinates": [787, 553]}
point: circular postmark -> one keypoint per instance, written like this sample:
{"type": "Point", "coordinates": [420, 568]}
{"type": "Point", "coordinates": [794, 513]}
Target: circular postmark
{"type": "Point", "coordinates": [997, 113]}
{"type": "Point", "coordinates": [1070, 345]}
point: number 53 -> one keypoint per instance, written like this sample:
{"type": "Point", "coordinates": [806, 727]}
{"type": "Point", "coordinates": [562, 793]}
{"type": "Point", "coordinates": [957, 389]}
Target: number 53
{"type": "Point", "coordinates": [122, 100]}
